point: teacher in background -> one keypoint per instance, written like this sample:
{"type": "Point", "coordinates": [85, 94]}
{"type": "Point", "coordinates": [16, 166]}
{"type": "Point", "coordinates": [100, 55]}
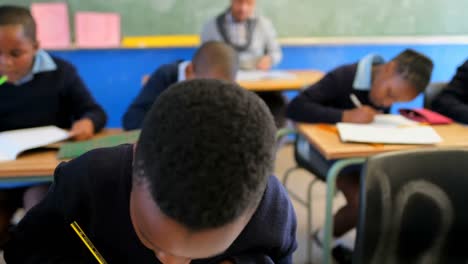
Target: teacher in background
{"type": "Point", "coordinates": [254, 39]}
{"type": "Point", "coordinates": [251, 35]}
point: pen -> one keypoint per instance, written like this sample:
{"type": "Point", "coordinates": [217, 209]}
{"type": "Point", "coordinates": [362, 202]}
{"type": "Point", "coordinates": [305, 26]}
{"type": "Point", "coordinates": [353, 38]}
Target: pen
{"type": "Point", "coordinates": [355, 100]}
{"type": "Point", "coordinates": [3, 79]}
{"type": "Point", "coordinates": [88, 243]}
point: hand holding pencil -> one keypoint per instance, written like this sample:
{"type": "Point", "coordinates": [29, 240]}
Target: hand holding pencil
{"type": "Point", "coordinates": [361, 114]}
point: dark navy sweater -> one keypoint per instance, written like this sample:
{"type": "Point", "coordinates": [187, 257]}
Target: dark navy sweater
{"type": "Point", "coordinates": [325, 101]}
{"type": "Point", "coordinates": [94, 190]}
{"type": "Point", "coordinates": [159, 81]}
{"type": "Point", "coordinates": [453, 100]}
{"type": "Point", "coordinates": [56, 97]}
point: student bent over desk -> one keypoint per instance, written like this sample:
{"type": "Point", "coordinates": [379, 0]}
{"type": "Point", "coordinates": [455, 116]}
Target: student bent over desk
{"type": "Point", "coordinates": [197, 186]}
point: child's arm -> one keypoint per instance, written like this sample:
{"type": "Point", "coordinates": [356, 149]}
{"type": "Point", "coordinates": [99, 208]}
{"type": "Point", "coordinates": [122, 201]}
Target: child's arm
{"type": "Point", "coordinates": [453, 100]}
{"type": "Point", "coordinates": [81, 103]}
{"type": "Point", "coordinates": [157, 83]}
{"type": "Point", "coordinates": [310, 105]}
{"type": "Point", "coordinates": [364, 114]}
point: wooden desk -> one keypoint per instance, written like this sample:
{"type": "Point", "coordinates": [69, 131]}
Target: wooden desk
{"type": "Point", "coordinates": [327, 141]}
{"type": "Point", "coordinates": [304, 78]}
{"type": "Point", "coordinates": [331, 147]}
{"type": "Point", "coordinates": [36, 165]}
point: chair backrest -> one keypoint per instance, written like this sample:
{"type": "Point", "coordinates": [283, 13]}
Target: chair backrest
{"type": "Point", "coordinates": [414, 208]}
{"type": "Point", "coordinates": [431, 92]}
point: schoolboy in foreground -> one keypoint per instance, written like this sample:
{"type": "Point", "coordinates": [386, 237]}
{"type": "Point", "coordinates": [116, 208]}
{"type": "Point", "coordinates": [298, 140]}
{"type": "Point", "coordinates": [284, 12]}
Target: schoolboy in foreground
{"type": "Point", "coordinates": [377, 85]}
{"type": "Point", "coordinates": [41, 90]}
{"type": "Point", "coordinates": [195, 189]}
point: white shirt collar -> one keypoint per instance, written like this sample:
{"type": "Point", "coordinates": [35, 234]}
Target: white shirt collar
{"type": "Point", "coordinates": [43, 62]}
{"type": "Point", "coordinates": [363, 77]}
{"type": "Point", "coordinates": [182, 67]}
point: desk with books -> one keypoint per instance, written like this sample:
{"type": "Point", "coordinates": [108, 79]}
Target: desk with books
{"type": "Point", "coordinates": [325, 138]}
{"type": "Point", "coordinates": [38, 165]}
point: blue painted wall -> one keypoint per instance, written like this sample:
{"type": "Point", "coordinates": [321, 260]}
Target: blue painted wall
{"type": "Point", "coordinates": [114, 76]}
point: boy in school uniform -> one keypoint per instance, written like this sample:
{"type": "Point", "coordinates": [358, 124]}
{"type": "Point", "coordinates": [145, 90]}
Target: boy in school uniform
{"type": "Point", "coordinates": [196, 188]}
{"type": "Point", "coordinates": [377, 85]}
{"type": "Point", "coordinates": [213, 59]}
{"type": "Point", "coordinates": [41, 90]}
{"type": "Point", "coordinates": [453, 99]}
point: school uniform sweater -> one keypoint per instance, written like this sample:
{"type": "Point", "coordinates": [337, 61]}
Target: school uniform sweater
{"type": "Point", "coordinates": [159, 81]}
{"type": "Point", "coordinates": [325, 101]}
{"type": "Point", "coordinates": [57, 97]}
{"type": "Point", "coordinates": [453, 100]}
{"type": "Point", "coordinates": [94, 190]}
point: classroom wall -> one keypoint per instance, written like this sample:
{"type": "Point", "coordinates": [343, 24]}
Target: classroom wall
{"type": "Point", "coordinates": [292, 18]}
{"type": "Point", "coordinates": [114, 75]}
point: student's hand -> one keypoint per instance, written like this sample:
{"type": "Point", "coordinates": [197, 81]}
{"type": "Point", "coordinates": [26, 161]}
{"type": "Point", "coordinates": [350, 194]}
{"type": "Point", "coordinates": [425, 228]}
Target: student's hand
{"type": "Point", "coordinates": [364, 114]}
{"type": "Point", "coordinates": [82, 129]}
{"type": "Point", "coordinates": [264, 63]}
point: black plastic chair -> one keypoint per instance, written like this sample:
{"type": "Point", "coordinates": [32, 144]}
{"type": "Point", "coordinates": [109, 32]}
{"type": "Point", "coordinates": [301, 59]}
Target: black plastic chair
{"type": "Point", "coordinates": [414, 208]}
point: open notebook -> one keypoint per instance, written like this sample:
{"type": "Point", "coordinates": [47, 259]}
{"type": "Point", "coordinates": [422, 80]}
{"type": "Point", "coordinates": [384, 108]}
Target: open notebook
{"type": "Point", "coordinates": [13, 142]}
{"type": "Point", "coordinates": [388, 129]}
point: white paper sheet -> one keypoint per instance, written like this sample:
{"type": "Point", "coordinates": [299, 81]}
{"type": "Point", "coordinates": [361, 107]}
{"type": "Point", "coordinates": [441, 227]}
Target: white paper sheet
{"type": "Point", "coordinates": [13, 142]}
{"type": "Point", "coordinates": [389, 129]}
{"type": "Point", "coordinates": [262, 75]}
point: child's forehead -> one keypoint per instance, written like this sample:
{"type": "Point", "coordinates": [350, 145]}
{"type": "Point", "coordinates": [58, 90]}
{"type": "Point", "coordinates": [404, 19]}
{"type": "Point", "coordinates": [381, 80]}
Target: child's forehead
{"type": "Point", "coordinates": [13, 32]}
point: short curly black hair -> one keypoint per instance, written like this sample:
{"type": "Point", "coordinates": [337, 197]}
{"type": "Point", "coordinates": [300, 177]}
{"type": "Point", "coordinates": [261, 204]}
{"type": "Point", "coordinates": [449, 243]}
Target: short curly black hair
{"type": "Point", "coordinates": [18, 15]}
{"type": "Point", "coordinates": [206, 149]}
{"type": "Point", "coordinates": [414, 67]}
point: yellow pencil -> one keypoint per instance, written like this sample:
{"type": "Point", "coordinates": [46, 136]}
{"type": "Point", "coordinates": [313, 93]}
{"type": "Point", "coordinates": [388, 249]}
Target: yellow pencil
{"type": "Point", "coordinates": [88, 242]}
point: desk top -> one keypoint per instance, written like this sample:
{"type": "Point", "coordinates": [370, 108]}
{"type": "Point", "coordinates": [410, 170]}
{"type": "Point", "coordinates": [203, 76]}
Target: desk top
{"type": "Point", "coordinates": [38, 162]}
{"type": "Point", "coordinates": [329, 144]}
{"type": "Point", "coordinates": [303, 79]}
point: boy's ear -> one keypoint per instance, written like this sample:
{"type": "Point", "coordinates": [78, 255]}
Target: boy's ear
{"type": "Point", "coordinates": [391, 67]}
{"type": "Point", "coordinates": [36, 45]}
{"type": "Point", "coordinates": [189, 71]}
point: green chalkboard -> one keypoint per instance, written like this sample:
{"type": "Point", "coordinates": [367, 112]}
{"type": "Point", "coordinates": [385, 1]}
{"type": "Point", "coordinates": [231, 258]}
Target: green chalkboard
{"type": "Point", "coordinates": [292, 18]}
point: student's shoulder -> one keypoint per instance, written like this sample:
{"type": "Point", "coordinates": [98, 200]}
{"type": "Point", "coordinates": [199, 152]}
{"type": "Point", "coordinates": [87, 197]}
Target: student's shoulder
{"type": "Point", "coordinates": [264, 21]}
{"type": "Point", "coordinates": [278, 236]}
{"type": "Point", "coordinates": [210, 23]}
{"type": "Point", "coordinates": [169, 67]}
{"type": "Point", "coordinates": [63, 65]}
{"type": "Point", "coordinates": [465, 65]}
{"type": "Point", "coordinates": [169, 70]}
{"type": "Point", "coordinates": [342, 75]}
{"type": "Point", "coordinates": [463, 68]}
{"type": "Point", "coordinates": [345, 70]}
{"type": "Point", "coordinates": [275, 205]}
{"type": "Point", "coordinates": [99, 165]}
{"type": "Point", "coordinates": [275, 193]}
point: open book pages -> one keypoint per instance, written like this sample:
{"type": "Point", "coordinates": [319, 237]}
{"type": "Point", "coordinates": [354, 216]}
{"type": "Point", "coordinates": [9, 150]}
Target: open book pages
{"type": "Point", "coordinates": [264, 75]}
{"type": "Point", "coordinates": [388, 129]}
{"type": "Point", "coordinates": [13, 142]}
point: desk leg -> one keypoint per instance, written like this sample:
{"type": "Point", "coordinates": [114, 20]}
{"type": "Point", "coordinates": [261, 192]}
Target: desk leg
{"type": "Point", "coordinates": [332, 175]}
